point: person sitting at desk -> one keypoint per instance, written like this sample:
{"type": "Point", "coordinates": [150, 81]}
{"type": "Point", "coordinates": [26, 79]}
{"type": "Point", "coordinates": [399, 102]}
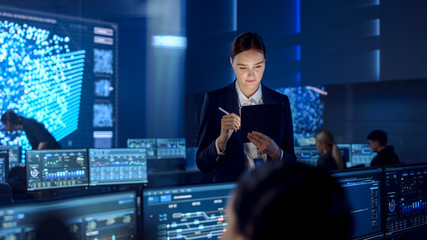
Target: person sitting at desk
{"type": "Point", "coordinates": [377, 140]}
{"type": "Point", "coordinates": [221, 149]}
{"type": "Point", "coordinates": [36, 133]}
{"type": "Point", "coordinates": [330, 158]}
{"type": "Point", "coordinates": [288, 201]}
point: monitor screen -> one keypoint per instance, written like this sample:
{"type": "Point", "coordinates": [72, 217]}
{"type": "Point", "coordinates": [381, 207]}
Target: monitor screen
{"type": "Point", "coordinates": [62, 168]}
{"type": "Point", "coordinates": [363, 190]}
{"type": "Point", "coordinates": [14, 156]}
{"type": "Point", "coordinates": [406, 198]}
{"type": "Point", "coordinates": [171, 148]}
{"type": "Point", "coordinates": [62, 72]}
{"type": "Point", "coordinates": [4, 166]}
{"type": "Point", "coordinates": [149, 144]}
{"type": "Point", "coordinates": [107, 216]}
{"type": "Point", "coordinates": [307, 154]}
{"type": "Point", "coordinates": [188, 212]}
{"type": "Point", "coordinates": [361, 154]}
{"type": "Point", "coordinates": [117, 166]}
{"type": "Point", "coordinates": [345, 150]}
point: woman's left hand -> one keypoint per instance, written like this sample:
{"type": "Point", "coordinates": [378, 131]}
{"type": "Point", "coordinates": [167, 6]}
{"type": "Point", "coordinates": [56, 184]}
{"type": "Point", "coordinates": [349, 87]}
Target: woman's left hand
{"type": "Point", "coordinates": [265, 144]}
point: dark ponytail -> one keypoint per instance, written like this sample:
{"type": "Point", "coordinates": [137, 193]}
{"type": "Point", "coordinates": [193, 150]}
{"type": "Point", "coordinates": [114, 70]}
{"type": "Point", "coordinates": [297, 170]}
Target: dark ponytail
{"type": "Point", "coordinates": [12, 117]}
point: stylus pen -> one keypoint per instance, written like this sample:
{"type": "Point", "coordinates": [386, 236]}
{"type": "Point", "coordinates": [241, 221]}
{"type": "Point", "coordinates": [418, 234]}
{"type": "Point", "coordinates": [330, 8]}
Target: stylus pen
{"type": "Point", "coordinates": [222, 110]}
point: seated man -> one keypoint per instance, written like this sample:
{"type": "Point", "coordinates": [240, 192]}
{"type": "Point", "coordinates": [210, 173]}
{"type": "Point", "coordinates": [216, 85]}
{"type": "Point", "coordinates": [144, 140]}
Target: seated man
{"type": "Point", "coordinates": [377, 140]}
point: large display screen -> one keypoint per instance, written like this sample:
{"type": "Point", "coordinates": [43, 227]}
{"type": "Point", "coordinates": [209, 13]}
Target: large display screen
{"type": "Point", "coordinates": [49, 66]}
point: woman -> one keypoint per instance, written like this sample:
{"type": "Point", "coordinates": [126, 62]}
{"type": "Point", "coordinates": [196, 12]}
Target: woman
{"type": "Point", "coordinates": [330, 158]}
{"type": "Point", "coordinates": [36, 133]}
{"type": "Point", "coordinates": [288, 201]}
{"type": "Point", "coordinates": [220, 146]}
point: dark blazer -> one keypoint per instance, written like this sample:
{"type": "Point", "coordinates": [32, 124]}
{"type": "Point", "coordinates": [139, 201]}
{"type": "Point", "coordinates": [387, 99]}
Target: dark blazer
{"type": "Point", "coordinates": [231, 165]}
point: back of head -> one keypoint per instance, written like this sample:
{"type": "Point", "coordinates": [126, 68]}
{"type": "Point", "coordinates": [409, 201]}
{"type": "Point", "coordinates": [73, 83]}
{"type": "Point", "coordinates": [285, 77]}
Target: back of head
{"type": "Point", "coordinates": [291, 199]}
{"type": "Point", "coordinates": [247, 41]}
{"type": "Point", "coordinates": [12, 117]}
{"type": "Point", "coordinates": [378, 135]}
{"type": "Point", "coordinates": [326, 137]}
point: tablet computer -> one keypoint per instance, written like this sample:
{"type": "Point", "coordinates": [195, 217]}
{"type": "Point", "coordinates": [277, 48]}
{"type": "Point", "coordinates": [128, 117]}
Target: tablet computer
{"type": "Point", "coordinates": [263, 118]}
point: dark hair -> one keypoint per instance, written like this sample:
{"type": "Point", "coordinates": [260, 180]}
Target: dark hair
{"type": "Point", "coordinates": [247, 41]}
{"type": "Point", "coordinates": [12, 117]}
{"type": "Point", "coordinates": [291, 199]}
{"type": "Point", "coordinates": [378, 135]}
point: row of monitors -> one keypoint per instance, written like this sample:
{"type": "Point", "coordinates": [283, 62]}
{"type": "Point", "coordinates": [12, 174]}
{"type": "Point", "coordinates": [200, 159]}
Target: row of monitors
{"type": "Point", "coordinates": [353, 154]}
{"type": "Point", "coordinates": [156, 148]}
{"type": "Point", "coordinates": [385, 202]}
{"type": "Point", "coordinates": [64, 168]}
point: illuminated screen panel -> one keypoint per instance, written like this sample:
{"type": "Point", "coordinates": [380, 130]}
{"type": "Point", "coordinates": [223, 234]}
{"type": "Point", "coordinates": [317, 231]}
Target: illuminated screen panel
{"type": "Point", "coordinates": [107, 216]}
{"type": "Point", "coordinates": [307, 155]}
{"type": "Point", "coordinates": [345, 150]}
{"type": "Point", "coordinates": [149, 144]}
{"type": "Point", "coordinates": [49, 66]}
{"type": "Point", "coordinates": [361, 154]}
{"type": "Point", "coordinates": [188, 212]}
{"type": "Point", "coordinates": [47, 169]}
{"type": "Point", "coordinates": [15, 154]}
{"type": "Point", "coordinates": [364, 193]}
{"type": "Point", "coordinates": [406, 198]}
{"type": "Point", "coordinates": [4, 166]}
{"type": "Point", "coordinates": [171, 148]}
{"type": "Point", "coordinates": [117, 166]}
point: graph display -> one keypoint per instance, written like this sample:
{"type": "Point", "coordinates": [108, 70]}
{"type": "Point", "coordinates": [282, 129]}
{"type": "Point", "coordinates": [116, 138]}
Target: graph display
{"type": "Point", "coordinates": [107, 216]}
{"type": "Point", "coordinates": [48, 169]}
{"type": "Point", "coordinates": [361, 154]}
{"type": "Point", "coordinates": [406, 198]}
{"type": "Point", "coordinates": [117, 166]}
{"type": "Point", "coordinates": [171, 148]}
{"type": "Point", "coordinates": [189, 212]}
{"type": "Point", "coordinates": [363, 190]}
{"type": "Point", "coordinates": [308, 155]}
{"type": "Point", "coordinates": [149, 144]}
{"type": "Point", "coordinates": [4, 166]}
{"type": "Point", "coordinates": [14, 155]}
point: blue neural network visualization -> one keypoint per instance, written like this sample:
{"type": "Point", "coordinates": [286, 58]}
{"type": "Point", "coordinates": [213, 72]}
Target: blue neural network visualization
{"type": "Point", "coordinates": [307, 111]}
{"type": "Point", "coordinates": [41, 78]}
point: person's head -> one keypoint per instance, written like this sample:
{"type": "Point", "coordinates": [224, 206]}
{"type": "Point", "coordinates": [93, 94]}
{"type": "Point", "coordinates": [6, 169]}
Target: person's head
{"type": "Point", "coordinates": [247, 57]}
{"type": "Point", "coordinates": [11, 121]}
{"type": "Point", "coordinates": [377, 140]}
{"type": "Point", "coordinates": [324, 141]}
{"type": "Point", "coordinates": [288, 199]}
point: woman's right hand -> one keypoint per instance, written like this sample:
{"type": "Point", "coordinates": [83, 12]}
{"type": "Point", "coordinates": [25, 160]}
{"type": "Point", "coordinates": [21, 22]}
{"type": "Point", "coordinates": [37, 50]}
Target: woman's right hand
{"type": "Point", "coordinates": [229, 123]}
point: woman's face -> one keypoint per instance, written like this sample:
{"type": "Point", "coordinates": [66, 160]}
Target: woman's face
{"type": "Point", "coordinates": [249, 67]}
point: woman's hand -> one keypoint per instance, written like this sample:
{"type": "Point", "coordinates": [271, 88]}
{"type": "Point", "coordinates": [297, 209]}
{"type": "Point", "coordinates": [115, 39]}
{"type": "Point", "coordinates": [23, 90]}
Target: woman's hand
{"type": "Point", "coordinates": [229, 123]}
{"type": "Point", "coordinates": [265, 144]}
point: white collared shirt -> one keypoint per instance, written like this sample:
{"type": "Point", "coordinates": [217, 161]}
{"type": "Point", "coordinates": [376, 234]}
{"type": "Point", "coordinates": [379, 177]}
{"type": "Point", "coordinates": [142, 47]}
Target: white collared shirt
{"type": "Point", "coordinates": [250, 150]}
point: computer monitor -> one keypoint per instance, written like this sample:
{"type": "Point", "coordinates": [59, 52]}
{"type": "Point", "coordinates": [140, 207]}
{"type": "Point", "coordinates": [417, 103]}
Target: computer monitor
{"type": "Point", "coordinates": [307, 154]}
{"type": "Point", "coordinates": [4, 166]}
{"type": "Point", "coordinates": [345, 150]}
{"type": "Point", "coordinates": [106, 216]}
{"type": "Point", "coordinates": [15, 153]}
{"type": "Point", "coordinates": [361, 154]}
{"type": "Point", "coordinates": [149, 144]}
{"type": "Point", "coordinates": [62, 168]}
{"type": "Point", "coordinates": [363, 191]}
{"type": "Point", "coordinates": [117, 166]}
{"type": "Point", "coordinates": [171, 148]}
{"type": "Point", "coordinates": [406, 198]}
{"type": "Point", "coordinates": [186, 212]}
